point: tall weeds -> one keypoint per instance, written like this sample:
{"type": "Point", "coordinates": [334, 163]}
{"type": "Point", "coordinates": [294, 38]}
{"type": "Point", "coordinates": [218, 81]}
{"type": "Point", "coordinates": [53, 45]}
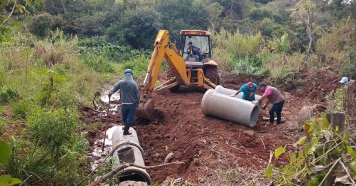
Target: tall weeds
{"type": "Point", "coordinates": [336, 46]}
{"type": "Point", "coordinates": [41, 83]}
{"type": "Point", "coordinates": [227, 46]}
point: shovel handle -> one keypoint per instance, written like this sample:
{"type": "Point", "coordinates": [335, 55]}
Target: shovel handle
{"type": "Point", "coordinates": [106, 124]}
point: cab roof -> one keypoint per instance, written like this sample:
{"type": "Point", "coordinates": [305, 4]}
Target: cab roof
{"type": "Point", "coordinates": [195, 32]}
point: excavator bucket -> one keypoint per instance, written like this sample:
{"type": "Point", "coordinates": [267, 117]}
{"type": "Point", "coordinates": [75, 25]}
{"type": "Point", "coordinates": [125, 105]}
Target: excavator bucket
{"type": "Point", "coordinates": [146, 110]}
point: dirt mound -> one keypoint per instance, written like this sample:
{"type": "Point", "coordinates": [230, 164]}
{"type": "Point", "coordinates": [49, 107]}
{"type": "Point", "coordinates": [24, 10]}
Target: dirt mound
{"type": "Point", "coordinates": [314, 84]}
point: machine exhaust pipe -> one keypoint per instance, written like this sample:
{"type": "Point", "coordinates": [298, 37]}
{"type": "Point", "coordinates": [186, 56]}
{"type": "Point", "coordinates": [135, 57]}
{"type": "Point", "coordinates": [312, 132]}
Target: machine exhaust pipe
{"type": "Point", "coordinates": [233, 109]}
{"type": "Point", "coordinates": [126, 149]}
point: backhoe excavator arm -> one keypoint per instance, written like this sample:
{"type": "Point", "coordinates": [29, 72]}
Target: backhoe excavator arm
{"type": "Point", "coordinates": [163, 49]}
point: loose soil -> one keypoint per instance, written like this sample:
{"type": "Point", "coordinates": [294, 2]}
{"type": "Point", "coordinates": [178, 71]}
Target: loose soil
{"type": "Point", "coordinates": [211, 147]}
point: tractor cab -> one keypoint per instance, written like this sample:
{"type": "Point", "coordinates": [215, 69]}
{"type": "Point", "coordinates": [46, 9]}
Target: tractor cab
{"type": "Point", "coordinates": [200, 49]}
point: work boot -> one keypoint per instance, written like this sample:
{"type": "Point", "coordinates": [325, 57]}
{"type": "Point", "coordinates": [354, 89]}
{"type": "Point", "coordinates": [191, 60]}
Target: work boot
{"type": "Point", "coordinates": [126, 130]}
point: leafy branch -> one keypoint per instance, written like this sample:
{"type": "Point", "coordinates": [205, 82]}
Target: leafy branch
{"type": "Point", "coordinates": [311, 164]}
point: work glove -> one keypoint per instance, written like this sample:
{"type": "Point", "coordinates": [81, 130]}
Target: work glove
{"type": "Point", "coordinates": [255, 102]}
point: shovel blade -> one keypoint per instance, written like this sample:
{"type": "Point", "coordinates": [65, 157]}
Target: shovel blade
{"type": "Point", "coordinates": [146, 110]}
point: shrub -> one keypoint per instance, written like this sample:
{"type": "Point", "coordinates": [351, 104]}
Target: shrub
{"type": "Point", "coordinates": [348, 67]}
{"type": "Point", "coordinates": [7, 94]}
{"type": "Point", "coordinates": [228, 47]}
{"type": "Point", "coordinates": [21, 109]}
{"type": "Point", "coordinates": [40, 24]}
{"type": "Point", "coordinates": [100, 45]}
{"type": "Point", "coordinates": [56, 49]}
{"type": "Point", "coordinates": [52, 128]}
{"type": "Point", "coordinates": [269, 28]}
{"type": "Point", "coordinates": [139, 65]}
{"type": "Point", "coordinates": [331, 45]}
{"type": "Point", "coordinates": [31, 161]}
{"type": "Point", "coordinates": [51, 83]}
{"type": "Point", "coordinates": [249, 65]}
{"type": "Point", "coordinates": [323, 152]}
{"type": "Point", "coordinates": [99, 63]}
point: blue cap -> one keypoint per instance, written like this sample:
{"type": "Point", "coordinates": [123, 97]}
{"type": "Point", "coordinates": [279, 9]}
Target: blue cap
{"type": "Point", "coordinates": [344, 80]}
{"type": "Point", "coordinates": [128, 71]}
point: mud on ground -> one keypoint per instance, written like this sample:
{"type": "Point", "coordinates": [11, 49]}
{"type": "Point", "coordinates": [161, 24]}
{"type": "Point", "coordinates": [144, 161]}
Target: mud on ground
{"type": "Point", "coordinates": [212, 147]}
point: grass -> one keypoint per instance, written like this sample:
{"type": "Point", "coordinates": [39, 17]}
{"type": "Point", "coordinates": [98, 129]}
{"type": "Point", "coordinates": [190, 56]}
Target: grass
{"type": "Point", "coordinates": [39, 93]}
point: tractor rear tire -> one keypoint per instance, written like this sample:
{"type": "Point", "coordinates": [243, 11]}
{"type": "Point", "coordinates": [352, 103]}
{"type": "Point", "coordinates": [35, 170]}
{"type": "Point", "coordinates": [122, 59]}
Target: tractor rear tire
{"type": "Point", "coordinates": [170, 75]}
{"type": "Point", "coordinates": [211, 72]}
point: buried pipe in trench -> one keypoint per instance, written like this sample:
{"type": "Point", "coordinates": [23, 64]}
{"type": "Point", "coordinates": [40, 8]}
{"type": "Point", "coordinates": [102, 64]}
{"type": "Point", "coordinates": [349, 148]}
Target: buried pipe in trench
{"type": "Point", "coordinates": [126, 149]}
{"type": "Point", "coordinates": [223, 106]}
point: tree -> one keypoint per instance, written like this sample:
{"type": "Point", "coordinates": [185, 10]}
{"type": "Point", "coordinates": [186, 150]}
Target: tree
{"type": "Point", "coordinates": [7, 9]}
{"type": "Point", "coordinates": [304, 10]}
{"type": "Point", "coordinates": [90, 25]}
{"type": "Point", "coordinates": [40, 24]}
{"type": "Point", "coordinates": [140, 26]}
{"type": "Point", "coordinates": [213, 12]}
{"type": "Point", "coordinates": [182, 14]}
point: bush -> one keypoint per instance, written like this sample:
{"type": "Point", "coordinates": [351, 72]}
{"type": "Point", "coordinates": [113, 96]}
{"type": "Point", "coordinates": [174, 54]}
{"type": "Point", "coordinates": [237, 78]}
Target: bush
{"type": "Point", "coordinates": [52, 129]}
{"type": "Point", "coordinates": [269, 28]}
{"type": "Point", "coordinates": [99, 63]}
{"type": "Point", "coordinates": [260, 14]}
{"type": "Point", "coordinates": [323, 152]}
{"type": "Point", "coordinates": [348, 67]}
{"type": "Point", "coordinates": [228, 48]}
{"type": "Point", "coordinates": [7, 94]}
{"type": "Point", "coordinates": [29, 158]}
{"type": "Point", "coordinates": [40, 24]}
{"type": "Point", "coordinates": [100, 45]}
{"type": "Point", "coordinates": [249, 65]}
{"type": "Point", "coordinates": [56, 49]}
{"type": "Point", "coordinates": [21, 109]}
{"type": "Point", "coordinates": [139, 65]}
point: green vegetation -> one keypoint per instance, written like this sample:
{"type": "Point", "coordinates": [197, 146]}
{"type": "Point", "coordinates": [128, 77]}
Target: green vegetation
{"type": "Point", "coordinates": [54, 56]}
{"type": "Point", "coordinates": [323, 155]}
{"type": "Point", "coordinates": [319, 154]}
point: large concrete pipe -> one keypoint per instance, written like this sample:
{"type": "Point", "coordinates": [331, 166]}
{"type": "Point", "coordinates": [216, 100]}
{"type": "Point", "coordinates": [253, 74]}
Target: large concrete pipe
{"type": "Point", "coordinates": [226, 91]}
{"type": "Point", "coordinates": [126, 149]}
{"type": "Point", "coordinates": [223, 106]}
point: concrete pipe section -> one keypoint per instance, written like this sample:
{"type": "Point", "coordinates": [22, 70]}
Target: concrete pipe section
{"type": "Point", "coordinates": [226, 91]}
{"type": "Point", "coordinates": [223, 106]}
{"type": "Point", "coordinates": [126, 149]}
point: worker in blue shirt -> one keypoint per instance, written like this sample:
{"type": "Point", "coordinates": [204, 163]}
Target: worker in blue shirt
{"type": "Point", "coordinates": [248, 91]}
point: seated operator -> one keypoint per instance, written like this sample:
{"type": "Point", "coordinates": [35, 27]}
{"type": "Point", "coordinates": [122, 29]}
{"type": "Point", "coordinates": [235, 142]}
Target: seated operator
{"type": "Point", "coordinates": [192, 51]}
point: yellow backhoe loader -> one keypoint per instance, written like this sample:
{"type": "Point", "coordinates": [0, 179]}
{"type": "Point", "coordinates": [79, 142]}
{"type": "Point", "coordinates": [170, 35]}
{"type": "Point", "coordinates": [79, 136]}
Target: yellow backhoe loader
{"type": "Point", "coordinates": [185, 69]}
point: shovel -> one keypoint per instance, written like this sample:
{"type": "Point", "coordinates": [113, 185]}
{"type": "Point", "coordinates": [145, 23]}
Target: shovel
{"type": "Point", "coordinates": [107, 124]}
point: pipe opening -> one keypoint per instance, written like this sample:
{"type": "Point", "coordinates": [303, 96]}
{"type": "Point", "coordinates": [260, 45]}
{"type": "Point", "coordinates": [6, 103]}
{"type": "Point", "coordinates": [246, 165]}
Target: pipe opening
{"type": "Point", "coordinates": [126, 155]}
{"type": "Point", "coordinates": [134, 175]}
{"type": "Point", "coordinates": [254, 116]}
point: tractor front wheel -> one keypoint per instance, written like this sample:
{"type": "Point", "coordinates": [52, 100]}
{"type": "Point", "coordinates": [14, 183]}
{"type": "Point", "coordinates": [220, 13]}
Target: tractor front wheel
{"type": "Point", "coordinates": [211, 72]}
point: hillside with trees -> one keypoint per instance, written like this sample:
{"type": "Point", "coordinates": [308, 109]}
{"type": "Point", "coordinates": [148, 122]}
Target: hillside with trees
{"type": "Point", "coordinates": [57, 55]}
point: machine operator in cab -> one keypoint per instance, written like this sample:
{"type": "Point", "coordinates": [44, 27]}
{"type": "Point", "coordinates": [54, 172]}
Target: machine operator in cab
{"type": "Point", "coordinates": [192, 51]}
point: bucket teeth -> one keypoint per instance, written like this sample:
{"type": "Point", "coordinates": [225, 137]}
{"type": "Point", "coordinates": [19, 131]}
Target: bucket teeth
{"type": "Point", "coordinates": [146, 110]}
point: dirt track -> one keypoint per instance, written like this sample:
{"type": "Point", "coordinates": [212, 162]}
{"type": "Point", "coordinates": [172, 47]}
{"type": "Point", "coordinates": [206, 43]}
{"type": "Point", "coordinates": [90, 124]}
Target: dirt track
{"type": "Point", "coordinates": [209, 145]}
